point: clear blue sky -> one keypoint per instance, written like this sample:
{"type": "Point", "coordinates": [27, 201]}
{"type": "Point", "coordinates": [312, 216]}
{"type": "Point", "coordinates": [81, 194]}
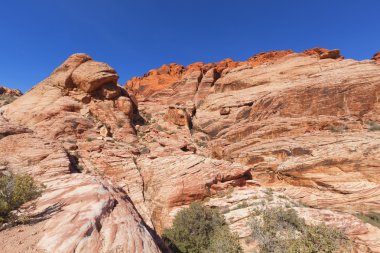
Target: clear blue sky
{"type": "Point", "coordinates": [134, 36]}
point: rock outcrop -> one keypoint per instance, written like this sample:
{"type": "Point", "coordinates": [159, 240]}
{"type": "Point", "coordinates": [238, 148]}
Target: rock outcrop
{"type": "Point", "coordinates": [284, 129]}
{"type": "Point", "coordinates": [305, 124]}
{"type": "Point", "coordinates": [43, 133]}
{"type": "Point", "coordinates": [10, 92]}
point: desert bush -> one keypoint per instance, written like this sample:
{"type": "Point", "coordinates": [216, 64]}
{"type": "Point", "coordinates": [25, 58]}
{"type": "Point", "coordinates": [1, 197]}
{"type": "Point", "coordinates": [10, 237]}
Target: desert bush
{"type": "Point", "coordinates": [223, 241]}
{"type": "Point", "coordinates": [244, 204]}
{"type": "Point", "coordinates": [15, 190]}
{"type": "Point", "coordinates": [7, 98]}
{"type": "Point", "coordinates": [279, 230]}
{"type": "Point", "coordinates": [200, 229]}
{"type": "Point", "coordinates": [373, 126]}
{"type": "Point", "coordinates": [371, 218]}
{"type": "Point", "coordinates": [161, 128]}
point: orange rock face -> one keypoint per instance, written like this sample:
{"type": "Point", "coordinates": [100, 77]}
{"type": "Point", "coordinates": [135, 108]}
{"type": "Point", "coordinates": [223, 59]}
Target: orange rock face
{"type": "Point", "coordinates": [168, 75]}
{"type": "Point", "coordinates": [323, 53]}
{"type": "Point", "coordinates": [267, 57]}
{"type": "Point", "coordinates": [304, 124]}
{"type": "Point", "coordinates": [44, 133]}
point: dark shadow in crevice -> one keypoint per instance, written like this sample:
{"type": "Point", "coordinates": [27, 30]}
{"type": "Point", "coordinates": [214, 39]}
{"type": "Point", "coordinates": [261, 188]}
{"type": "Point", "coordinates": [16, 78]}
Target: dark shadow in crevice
{"type": "Point", "coordinates": [160, 243]}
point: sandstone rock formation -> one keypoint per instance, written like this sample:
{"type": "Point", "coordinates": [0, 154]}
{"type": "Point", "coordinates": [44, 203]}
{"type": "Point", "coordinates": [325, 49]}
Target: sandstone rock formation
{"type": "Point", "coordinates": [77, 212]}
{"type": "Point", "coordinates": [305, 124]}
{"type": "Point", "coordinates": [280, 129]}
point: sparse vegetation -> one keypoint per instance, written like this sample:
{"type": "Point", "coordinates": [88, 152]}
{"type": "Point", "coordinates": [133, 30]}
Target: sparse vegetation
{"type": "Point", "coordinates": [371, 218]}
{"type": "Point", "coordinates": [144, 150]}
{"type": "Point", "coordinates": [202, 144]}
{"type": "Point", "coordinates": [7, 98]}
{"type": "Point", "coordinates": [15, 190]}
{"type": "Point", "coordinates": [373, 126]}
{"type": "Point", "coordinates": [201, 229]}
{"type": "Point", "coordinates": [337, 129]}
{"type": "Point", "coordinates": [244, 204]}
{"type": "Point", "coordinates": [269, 191]}
{"type": "Point", "coordinates": [148, 118]}
{"type": "Point", "coordinates": [161, 128]}
{"type": "Point", "coordinates": [90, 139]}
{"type": "Point", "coordinates": [279, 230]}
{"type": "Point", "coordinates": [120, 123]}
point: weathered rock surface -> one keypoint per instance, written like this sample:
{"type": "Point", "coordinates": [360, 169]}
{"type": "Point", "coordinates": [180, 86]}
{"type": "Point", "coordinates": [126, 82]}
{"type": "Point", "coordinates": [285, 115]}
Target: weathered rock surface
{"type": "Point", "coordinates": [303, 122]}
{"type": "Point", "coordinates": [43, 134]}
{"type": "Point", "coordinates": [92, 75]}
{"type": "Point", "coordinates": [118, 165]}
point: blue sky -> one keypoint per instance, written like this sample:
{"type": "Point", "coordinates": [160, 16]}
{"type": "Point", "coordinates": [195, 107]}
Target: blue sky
{"type": "Point", "coordinates": [136, 36]}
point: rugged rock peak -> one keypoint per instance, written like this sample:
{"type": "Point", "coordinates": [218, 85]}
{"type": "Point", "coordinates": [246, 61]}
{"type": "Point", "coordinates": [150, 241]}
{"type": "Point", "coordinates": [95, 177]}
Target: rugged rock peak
{"type": "Point", "coordinates": [79, 85]}
{"type": "Point", "coordinates": [324, 53]}
{"type": "Point", "coordinates": [81, 71]}
{"type": "Point", "coordinates": [10, 92]}
{"type": "Point", "coordinates": [167, 75]}
{"type": "Point", "coordinates": [267, 56]}
{"type": "Point", "coordinates": [156, 81]}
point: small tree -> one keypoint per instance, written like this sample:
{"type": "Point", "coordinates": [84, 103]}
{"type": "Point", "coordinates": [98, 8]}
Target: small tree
{"type": "Point", "coordinates": [200, 229]}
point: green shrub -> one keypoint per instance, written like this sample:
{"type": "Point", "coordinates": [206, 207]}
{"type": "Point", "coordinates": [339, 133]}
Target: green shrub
{"type": "Point", "coordinates": [90, 139]}
{"type": "Point", "coordinates": [373, 126]}
{"type": "Point", "coordinates": [371, 218]}
{"type": "Point", "coordinates": [244, 204]}
{"type": "Point", "coordinates": [279, 230]}
{"type": "Point", "coordinates": [161, 128]}
{"type": "Point", "coordinates": [223, 241]}
{"type": "Point", "coordinates": [15, 190]}
{"type": "Point", "coordinates": [7, 98]}
{"type": "Point", "coordinates": [200, 229]}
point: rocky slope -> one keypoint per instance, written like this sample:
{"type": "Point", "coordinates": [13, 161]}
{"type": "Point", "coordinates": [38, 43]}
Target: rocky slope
{"type": "Point", "coordinates": [305, 124]}
{"type": "Point", "coordinates": [282, 128]}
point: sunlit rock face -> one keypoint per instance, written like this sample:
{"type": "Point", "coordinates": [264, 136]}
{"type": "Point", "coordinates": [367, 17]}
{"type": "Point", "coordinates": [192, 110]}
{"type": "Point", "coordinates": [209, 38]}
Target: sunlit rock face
{"type": "Point", "coordinates": [303, 123]}
{"type": "Point", "coordinates": [44, 133]}
{"type": "Point", "coordinates": [118, 162]}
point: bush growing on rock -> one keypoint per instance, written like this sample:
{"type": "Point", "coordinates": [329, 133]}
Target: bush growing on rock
{"type": "Point", "coordinates": [7, 99]}
{"type": "Point", "coordinates": [15, 190]}
{"type": "Point", "coordinates": [279, 230]}
{"type": "Point", "coordinates": [200, 229]}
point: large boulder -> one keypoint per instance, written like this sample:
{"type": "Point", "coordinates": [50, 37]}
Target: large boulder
{"type": "Point", "coordinates": [92, 75]}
